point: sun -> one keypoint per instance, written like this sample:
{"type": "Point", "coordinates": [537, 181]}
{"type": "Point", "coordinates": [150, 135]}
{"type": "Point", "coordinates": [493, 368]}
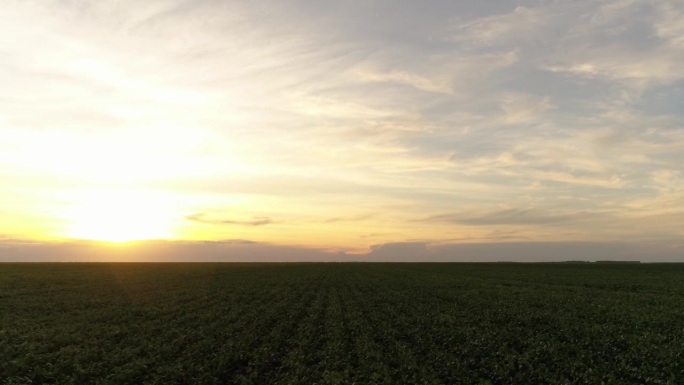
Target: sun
{"type": "Point", "coordinates": [120, 216]}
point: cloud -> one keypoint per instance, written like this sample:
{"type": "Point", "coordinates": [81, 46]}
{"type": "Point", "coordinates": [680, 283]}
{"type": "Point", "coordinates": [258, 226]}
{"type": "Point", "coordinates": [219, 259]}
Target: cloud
{"type": "Point", "coordinates": [514, 216]}
{"type": "Point", "coordinates": [408, 78]}
{"type": "Point", "coordinates": [520, 109]}
{"type": "Point", "coordinates": [559, 120]}
{"type": "Point", "coordinates": [257, 221]}
{"type": "Point", "coordinates": [522, 24]}
{"type": "Point", "coordinates": [525, 252]}
{"type": "Point", "coordinates": [669, 26]}
{"type": "Point", "coordinates": [629, 42]}
{"type": "Point", "coordinates": [397, 252]}
{"type": "Point", "coordinates": [249, 251]}
{"type": "Point", "coordinates": [356, 218]}
{"type": "Point", "coordinates": [161, 251]}
{"type": "Point", "coordinates": [544, 252]}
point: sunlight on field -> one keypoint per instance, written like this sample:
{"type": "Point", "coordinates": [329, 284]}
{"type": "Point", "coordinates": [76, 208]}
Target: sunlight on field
{"type": "Point", "coordinates": [120, 216]}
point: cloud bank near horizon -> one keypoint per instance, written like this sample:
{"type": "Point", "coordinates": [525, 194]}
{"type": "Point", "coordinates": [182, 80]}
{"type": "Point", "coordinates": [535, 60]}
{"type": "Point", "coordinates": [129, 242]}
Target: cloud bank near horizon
{"type": "Point", "coordinates": [249, 251]}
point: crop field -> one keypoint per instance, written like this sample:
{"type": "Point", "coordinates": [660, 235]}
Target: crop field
{"type": "Point", "coordinates": [341, 324]}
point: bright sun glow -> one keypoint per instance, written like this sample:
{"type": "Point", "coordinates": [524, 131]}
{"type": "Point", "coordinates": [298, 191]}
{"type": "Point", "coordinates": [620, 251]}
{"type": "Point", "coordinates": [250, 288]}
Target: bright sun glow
{"type": "Point", "coordinates": [120, 216]}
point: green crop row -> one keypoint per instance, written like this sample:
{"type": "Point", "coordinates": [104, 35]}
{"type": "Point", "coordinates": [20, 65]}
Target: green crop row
{"type": "Point", "coordinates": [341, 324]}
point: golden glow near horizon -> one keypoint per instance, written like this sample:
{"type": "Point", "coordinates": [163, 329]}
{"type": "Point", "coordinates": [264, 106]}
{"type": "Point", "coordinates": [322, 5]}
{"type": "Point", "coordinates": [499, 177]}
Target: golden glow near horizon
{"type": "Point", "coordinates": [120, 216]}
{"type": "Point", "coordinates": [221, 120]}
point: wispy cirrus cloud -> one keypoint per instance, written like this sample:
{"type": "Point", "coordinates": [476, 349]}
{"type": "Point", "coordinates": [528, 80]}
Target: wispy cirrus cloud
{"type": "Point", "coordinates": [204, 218]}
{"type": "Point", "coordinates": [536, 120]}
{"type": "Point", "coordinates": [515, 216]}
{"type": "Point", "coordinates": [348, 218]}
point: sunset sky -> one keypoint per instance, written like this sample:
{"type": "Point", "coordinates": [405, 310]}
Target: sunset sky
{"type": "Point", "coordinates": [308, 130]}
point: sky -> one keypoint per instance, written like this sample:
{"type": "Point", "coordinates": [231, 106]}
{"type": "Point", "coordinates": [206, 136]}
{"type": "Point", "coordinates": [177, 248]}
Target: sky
{"type": "Point", "coordinates": [329, 130]}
